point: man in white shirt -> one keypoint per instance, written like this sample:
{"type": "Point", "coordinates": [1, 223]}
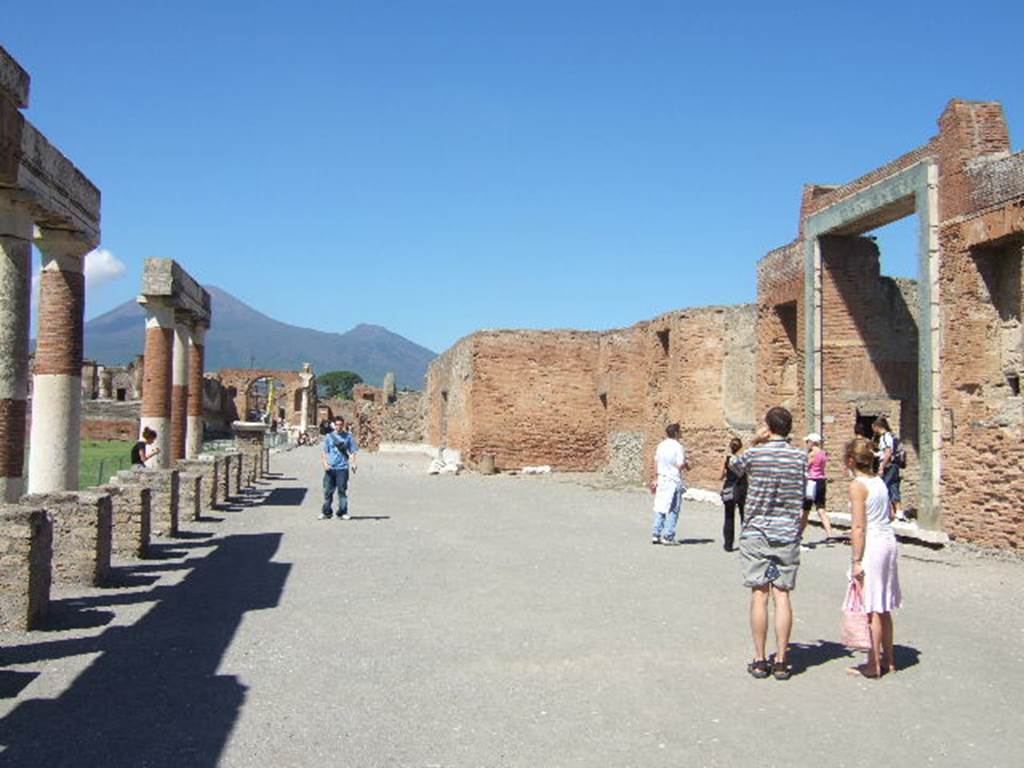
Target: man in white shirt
{"type": "Point", "coordinates": [669, 463]}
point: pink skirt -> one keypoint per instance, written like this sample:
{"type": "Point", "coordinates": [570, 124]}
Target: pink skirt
{"type": "Point", "coordinates": [881, 574]}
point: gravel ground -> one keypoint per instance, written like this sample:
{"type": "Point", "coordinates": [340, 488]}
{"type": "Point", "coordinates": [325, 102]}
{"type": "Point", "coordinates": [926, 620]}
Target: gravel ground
{"type": "Point", "coordinates": [496, 621]}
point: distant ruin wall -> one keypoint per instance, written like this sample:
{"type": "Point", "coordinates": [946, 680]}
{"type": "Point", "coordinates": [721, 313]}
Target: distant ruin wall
{"type": "Point", "coordinates": [588, 401]}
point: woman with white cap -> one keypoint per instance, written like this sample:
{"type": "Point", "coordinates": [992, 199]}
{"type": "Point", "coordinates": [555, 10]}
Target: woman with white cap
{"type": "Point", "coordinates": [815, 493]}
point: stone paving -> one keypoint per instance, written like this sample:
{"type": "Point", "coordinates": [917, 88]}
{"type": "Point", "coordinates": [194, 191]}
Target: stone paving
{"type": "Point", "coordinates": [495, 621]}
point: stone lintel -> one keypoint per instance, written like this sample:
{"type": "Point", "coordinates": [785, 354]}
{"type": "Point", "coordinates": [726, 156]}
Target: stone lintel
{"type": "Point", "coordinates": [60, 195]}
{"type": "Point", "coordinates": [166, 281]}
{"type": "Point", "coordinates": [14, 80]}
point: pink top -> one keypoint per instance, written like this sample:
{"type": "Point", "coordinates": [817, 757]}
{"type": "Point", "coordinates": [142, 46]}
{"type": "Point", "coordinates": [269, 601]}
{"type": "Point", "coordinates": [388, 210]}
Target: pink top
{"type": "Point", "coordinates": [816, 466]}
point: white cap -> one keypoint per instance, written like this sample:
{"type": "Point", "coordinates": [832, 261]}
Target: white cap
{"type": "Point", "coordinates": [814, 437]}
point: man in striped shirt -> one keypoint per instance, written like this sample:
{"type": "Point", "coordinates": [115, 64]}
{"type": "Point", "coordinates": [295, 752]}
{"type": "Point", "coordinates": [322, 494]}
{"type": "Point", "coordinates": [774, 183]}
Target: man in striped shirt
{"type": "Point", "coordinates": [770, 539]}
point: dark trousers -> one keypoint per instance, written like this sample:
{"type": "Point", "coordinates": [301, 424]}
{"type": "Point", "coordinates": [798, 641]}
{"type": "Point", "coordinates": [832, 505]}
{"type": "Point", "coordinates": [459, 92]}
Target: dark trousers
{"type": "Point", "coordinates": [335, 480]}
{"type": "Point", "coordinates": [729, 526]}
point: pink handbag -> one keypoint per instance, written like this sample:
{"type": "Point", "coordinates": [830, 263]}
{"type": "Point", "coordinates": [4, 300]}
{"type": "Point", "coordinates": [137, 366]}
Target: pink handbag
{"type": "Point", "coordinates": [854, 630]}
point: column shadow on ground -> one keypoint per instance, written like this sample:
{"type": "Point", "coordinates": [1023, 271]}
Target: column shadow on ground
{"type": "Point", "coordinates": [286, 497]}
{"type": "Point", "coordinates": [153, 696]}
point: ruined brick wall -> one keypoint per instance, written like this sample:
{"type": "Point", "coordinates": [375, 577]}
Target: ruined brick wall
{"type": "Point", "coordinates": [983, 412]}
{"type": "Point", "coordinates": [110, 420]}
{"type": "Point", "coordinates": [26, 544]}
{"type": "Point", "coordinates": [981, 223]}
{"type": "Point", "coordinates": [580, 400]}
{"type": "Point", "coordinates": [781, 332]}
{"type": "Point", "coordinates": [696, 381]}
{"type": "Point", "coordinates": [535, 400]}
{"type": "Point", "coordinates": [449, 389]}
{"type": "Point", "coordinates": [870, 354]}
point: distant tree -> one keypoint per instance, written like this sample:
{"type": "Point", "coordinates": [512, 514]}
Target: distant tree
{"type": "Point", "coordinates": [338, 384]}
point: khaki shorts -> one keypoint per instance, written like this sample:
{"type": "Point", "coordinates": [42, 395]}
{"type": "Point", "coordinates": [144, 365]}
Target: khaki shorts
{"type": "Point", "coordinates": [767, 563]}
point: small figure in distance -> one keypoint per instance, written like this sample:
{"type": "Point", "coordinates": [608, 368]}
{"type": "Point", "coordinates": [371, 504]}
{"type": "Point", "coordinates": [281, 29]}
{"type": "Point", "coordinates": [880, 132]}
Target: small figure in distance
{"type": "Point", "coordinates": [734, 496]}
{"type": "Point", "coordinates": [888, 465]}
{"type": "Point", "coordinates": [338, 456]}
{"type": "Point", "coordinates": [770, 538]}
{"type": "Point", "coordinates": [141, 451]}
{"type": "Point", "coordinates": [669, 463]}
{"type": "Point", "coordinates": [875, 555]}
{"type": "Point", "coordinates": [814, 494]}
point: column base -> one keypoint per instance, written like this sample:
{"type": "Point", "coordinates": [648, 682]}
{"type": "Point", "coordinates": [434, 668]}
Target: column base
{"type": "Point", "coordinates": [56, 433]}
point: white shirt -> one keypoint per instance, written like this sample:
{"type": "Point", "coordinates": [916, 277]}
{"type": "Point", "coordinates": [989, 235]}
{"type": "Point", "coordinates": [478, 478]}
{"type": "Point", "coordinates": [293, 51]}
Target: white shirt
{"type": "Point", "coordinates": [669, 458]}
{"type": "Point", "coordinates": [885, 443]}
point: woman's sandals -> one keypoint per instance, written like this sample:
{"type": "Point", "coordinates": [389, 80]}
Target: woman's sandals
{"type": "Point", "coordinates": [759, 668]}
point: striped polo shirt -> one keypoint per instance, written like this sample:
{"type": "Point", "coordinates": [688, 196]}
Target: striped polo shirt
{"type": "Point", "coordinates": [775, 490]}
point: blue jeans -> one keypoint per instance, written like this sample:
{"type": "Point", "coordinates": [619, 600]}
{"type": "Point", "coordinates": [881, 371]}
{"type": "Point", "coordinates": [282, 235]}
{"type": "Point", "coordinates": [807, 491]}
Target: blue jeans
{"type": "Point", "coordinates": [335, 480]}
{"type": "Point", "coordinates": [665, 523]}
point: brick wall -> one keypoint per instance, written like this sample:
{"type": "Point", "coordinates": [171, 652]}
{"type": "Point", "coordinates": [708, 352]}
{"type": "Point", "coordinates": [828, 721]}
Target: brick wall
{"type": "Point", "coordinates": [580, 400]}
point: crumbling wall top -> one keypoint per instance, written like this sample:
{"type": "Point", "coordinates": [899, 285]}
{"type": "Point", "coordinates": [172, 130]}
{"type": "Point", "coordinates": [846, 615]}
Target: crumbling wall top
{"type": "Point", "coordinates": [14, 81]}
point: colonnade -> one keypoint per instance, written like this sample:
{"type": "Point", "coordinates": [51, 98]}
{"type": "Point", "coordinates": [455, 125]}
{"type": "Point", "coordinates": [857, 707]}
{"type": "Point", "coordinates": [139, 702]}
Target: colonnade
{"type": "Point", "coordinates": [177, 318]}
{"type": "Point", "coordinates": [46, 201]}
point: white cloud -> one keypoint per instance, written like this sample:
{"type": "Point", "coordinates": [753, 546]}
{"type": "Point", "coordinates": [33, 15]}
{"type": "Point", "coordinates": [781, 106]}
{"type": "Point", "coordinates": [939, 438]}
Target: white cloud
{"type": "Point", "coordinates": [101, 267]}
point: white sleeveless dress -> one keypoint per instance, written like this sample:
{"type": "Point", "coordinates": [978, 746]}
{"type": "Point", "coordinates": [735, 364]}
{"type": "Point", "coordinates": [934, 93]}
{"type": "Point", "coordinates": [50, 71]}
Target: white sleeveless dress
{"type": "Point", "coordinates": [881, 573]}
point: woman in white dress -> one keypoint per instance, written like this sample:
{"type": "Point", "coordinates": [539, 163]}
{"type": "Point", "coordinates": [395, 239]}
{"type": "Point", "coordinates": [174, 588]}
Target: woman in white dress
{"type": "Point", "coordinates": [874, 555]}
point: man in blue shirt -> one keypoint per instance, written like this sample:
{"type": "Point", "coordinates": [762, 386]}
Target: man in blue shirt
{"type": "Point", "coordinates": [338, 457]}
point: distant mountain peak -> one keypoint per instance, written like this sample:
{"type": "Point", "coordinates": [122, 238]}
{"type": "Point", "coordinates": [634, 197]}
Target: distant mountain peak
{"type": "Point", "coordinates": [242, 336]}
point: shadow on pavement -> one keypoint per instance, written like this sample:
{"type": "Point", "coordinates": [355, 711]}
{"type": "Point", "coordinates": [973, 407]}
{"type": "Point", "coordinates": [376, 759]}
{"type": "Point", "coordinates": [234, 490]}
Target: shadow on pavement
{"type": "Point", "coordinates": [153, 697]}
{"type": "Point", "coordinates": [286, 497]}
{"type": "Point", "coordinates": [12, 683]}
{"type": "Point", "coordinates": [696, 541]}
{"type": "Point", "coordinates": [803, 656]}
{"type": "Point", "coordinates": [370, 517]}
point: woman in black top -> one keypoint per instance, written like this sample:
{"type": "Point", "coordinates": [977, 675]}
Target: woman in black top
{"type": "Point", "coordinates": [139, 453]}
{"type": "Point", "coordinates": [734, 495]}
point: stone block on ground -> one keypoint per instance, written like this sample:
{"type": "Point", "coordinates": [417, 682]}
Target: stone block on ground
{"type": "Point", "coordinates": [81, 535]}
{"type": "Point", "coordinates": [190, 491]}
{"type": "Point", "coordinates": [26, 551]}
{"type": "Point", "coordinates": [207, 469]}
{"type": "Point", "coordinates": [164, 501]}
{"type": "Point", "coordinates": [131, 519]}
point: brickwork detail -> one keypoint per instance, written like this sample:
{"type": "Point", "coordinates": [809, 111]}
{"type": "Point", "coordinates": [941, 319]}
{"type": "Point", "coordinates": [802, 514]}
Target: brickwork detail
{"type": "Point", "coordinates": [61, 308]}
{"type": "Point", "coordinates": [156, 383]}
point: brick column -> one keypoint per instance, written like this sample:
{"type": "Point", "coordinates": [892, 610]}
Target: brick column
{"type": "Point", "coordinates": [57, 375]}
{"type": "Point", "coordinates": [156, 385]}
{"type": "Point", "coordinates": [196, 362]}
{"type": "Point", "coordinates": [15, 296]}
{"type": "Point", "coordinates": [179, 386]}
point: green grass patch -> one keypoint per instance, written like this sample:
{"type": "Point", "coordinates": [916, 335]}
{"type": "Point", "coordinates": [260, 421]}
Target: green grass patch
{"type": "Point", "coordinates": [99, 459]}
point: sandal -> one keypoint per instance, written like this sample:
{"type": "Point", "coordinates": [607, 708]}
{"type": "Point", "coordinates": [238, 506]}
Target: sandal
{"type": "Point", "coordinates": [759, 668]}
{"type": "Point", "coordinates": [781, 670]}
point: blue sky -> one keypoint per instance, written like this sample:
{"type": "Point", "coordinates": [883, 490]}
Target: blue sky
{"type": "Point", "coordinates": [439, 167]}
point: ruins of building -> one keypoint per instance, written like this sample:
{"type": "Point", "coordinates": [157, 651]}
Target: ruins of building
{"type": "Point", "coordinates": [939, 356]}
{"type": "Point", "coordinates": [44, 200]}
{"type": "Point", "coordinates": [247, 394]}
{"type": "Point", "coordinates": [379, 415]}
{"type": "Point", "coordinates": [588, 400]}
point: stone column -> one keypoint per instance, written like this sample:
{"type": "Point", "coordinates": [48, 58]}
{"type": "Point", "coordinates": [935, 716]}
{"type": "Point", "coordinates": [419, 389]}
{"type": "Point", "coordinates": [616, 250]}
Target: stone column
{"type": "Point", "coordinates": [156, 386]}
{"type": "Point", "coordinates": [304, 410]}
{"type": "Point", "coordinates": [196, 362]}
{"type": "Point", "coordinates": [15, 298]}
{"type": "Point", "coordinates": [57, 375]}
{"type": "Point", "coordinates": [179, 387]}
{"type": "Point", "coordinates": [106, 384]}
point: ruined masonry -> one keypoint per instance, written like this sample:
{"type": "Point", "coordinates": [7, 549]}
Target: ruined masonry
{"type": "Point", "coordinates": [829, 337]}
